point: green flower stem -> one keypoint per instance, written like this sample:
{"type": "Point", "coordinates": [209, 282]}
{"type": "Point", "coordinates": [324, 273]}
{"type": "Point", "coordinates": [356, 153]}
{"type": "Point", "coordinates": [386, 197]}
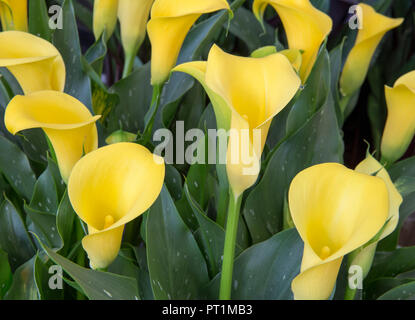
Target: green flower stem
{"type": "Point", "coordinates": [128, 64]}
{"type": "Point", "coordinates": [349, 294]}
{"type": "Point", "coordinates": [151, 114]}
{"type": "Point", "coordinates": [229, 248]}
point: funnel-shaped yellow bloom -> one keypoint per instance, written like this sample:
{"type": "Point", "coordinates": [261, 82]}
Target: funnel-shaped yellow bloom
{"type": "Point", "coordinates": [170, 22]}
{"type": "Point", "coordinates": [400, 124]}
{"type": "Point", "coordinates": [133, 16]}
{"type": "Point", "coordinates": [364, 256]}
{"type": "Point", "coordinates": [35, 63]}
{"type": "Point", "coordinates": [13, 15]}
{"type": "Point", "coordinates": [305, 27]}
{"type": "Point", "coordinates": [294, 56]}
{"type": "Point", "coordinates": [246, 94]}
{"type": "Point", "coordinates": [110, 187]}
{"type": "Point", "coordinates": [105, 17]}
{"type": "Point", "coordinates": [373, 27]}
{"type": "Point", "coordinates": [68, 124]}
{"type": "Point", "coordinates": [335, 211]}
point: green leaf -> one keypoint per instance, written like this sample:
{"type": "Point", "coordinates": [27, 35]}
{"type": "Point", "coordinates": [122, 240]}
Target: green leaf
{"type": "Point", "coordinates": [42, 278]}
{"type": "Point", "coordinates": [402, 292]}
{"type": "Point", "coordinates": [97, 285]}
{"type": "Point", "coordinates": [16, 168]}
{"type": "Point", "coordinates": [253, 36]}
{"type": "Point", "coordinates": [212, 237]}
{"type": "Point", "coordinates": [135, 97]}
{"type": "Point", "coordinates": [39, 19]}
{"type": "Point", "coordinates": [67, 42]}
{"type": "Point", "coordinates": [176, 265]}
{"type": "Point", "coordinates": [380, 286]}
{"type": "Point", "coordinates": [65, 218]}
{"type": "Point", "coordinates": [144, 284]}
{"type": "Point", "coordinates": [316, 140]}
{"type": "Point", "coordinates": [173, 182]}
{"type": "Point", "coordinates": [6, 276]}
{"type": "Point", "coordinates": [24, 284]}
{"type": "Point", "coordinates": [265, 270]}
{"type": "Point", "coordinates": [391, 264]}
{"type": "Point", "coordinates": [14, 238]}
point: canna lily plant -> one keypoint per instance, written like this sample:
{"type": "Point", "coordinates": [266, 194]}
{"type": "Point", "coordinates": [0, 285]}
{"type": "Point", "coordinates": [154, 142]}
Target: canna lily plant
{"type": "Point", "coordinates": [13, 15]}
{"type": "Point", "coordinates": [67, 123]}
{"type": "Point", "coordinates": [246, 94]}
{"type": "Point", "coordinates": [335, 210]}
{"type": "Point", "coordinates": [400, 124]}
{"type": "Point", "coordinates": [109, 188]}
{"type": "Point", "coordinates": [35, 63]}
{"type": "Point", "coordinates": [305, 26]}
{"type": "Point", "coordinates": [372, 28]}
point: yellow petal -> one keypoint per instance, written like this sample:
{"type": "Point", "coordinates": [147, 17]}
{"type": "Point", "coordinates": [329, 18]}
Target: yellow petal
{"type": "Point", "coordinates": [105, 17]}
{"type": "Point", "coordinates": [13, 14]}
{"type": "Point", "coordinates": [305, 27]}
{"type": "Point", "coordinates": [316, 283]}
{"type": "Point", "coordinates": [170, 22]}
{"type": "Point", "coordinates": [371, 166]}
{"type": "Point", "coordinates": [133, 16]}
{"type": "Point", "coordinates": [35, 63]}
{"type": "Point", "coordinates": [373, 27]}
{"type": "Point", "coordinates": [246, 94]}
{"type": "Point", "coordinates": [294, 56]}
{"type": "Point", "coordinates": [110, 187]}
{"type": "Point", "coordinates": [67, 122]}
{"type": "Point", "coordinates": [400, 124]}
{"type": "Point", "coordinates": [335, 210]}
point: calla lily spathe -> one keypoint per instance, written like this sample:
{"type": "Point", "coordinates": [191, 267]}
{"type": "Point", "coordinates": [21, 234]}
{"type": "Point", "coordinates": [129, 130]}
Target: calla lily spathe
{"type": "Point", "coordinates": [335, 210]}
{"type": "Point", "coordinates": [68, 124]}
{"type": "Point", "coordinates": [305, 26]}
{"type": "Point", "coordinates": [364, 256]}
{"type": "Point", "coordinates": [294, 56]}
{"type": "Point", "coordinates": [110, 187]}
{"type": "Point", "coordinates": [246, 93]}
{"type": "Point", "coordinates": [35, 63]}
{"type": "Point", "coordinates": [170, 22]}
{"type": "Point", "coordinates": [400, 124]}
{"type": "Point", "coordinates": [133, 16]}
{"type": "Point", "coordinates": [13, 15]}
{"type": "Point", "coordinates": [373, 27]}
{"type": "Point", "coordinates": [105, 17]}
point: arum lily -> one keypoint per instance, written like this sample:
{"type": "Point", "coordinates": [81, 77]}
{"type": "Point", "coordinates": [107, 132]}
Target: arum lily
{"type": "Point", "coordinates": [169, 24]}
{"type": "Point", "coordinates": [13, 15]}
{"type": "Point", "coordinates": [400, 124]}
{"type": "Point", "coordinates": [105, 17]}
{"type": "Point", "coordinates": [246, 94]}
{"type": "Point", "coordinates": [68, 124]}
{"type": "Point", "coordinates": [305, 26]}
{"type": "Point", "coordinates": [133, 16]}
{"type": "Point", "coordinates": [363, 256]}
{"type": "Point", "coordinates": [373, 27]}
{"type": "Point", "coordinates": [294, 56]}
{"type": "Point", "coordinates": [110, 187]}
{"type": "Point", "coordinates": [35, 63]}
{"type": "Point", "coordinates": [335, 210]}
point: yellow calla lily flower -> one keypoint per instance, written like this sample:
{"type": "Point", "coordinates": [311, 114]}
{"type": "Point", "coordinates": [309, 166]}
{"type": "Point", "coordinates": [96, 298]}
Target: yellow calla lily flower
{"type": "Point", "coordinates": [246, 94]}
{"type": "Point", "coordinates": [110, 187]}
{"type": "Point", "coordinates": [170, 22]}
{"type": "Point", "coordinates": [13, 15]}
{"type": "Point", "coordinates": [68, 124]}
{"type": "Point", "coordinates": [371, 166]}
{"type": "Point", "coordinates": [335, 210]}
{"type": "Point", "coordinates": [305, 27]}
{"type": "Point", "coordinates": [400, 124]}
{"type": "Point", "coordinates": [105, 17]}
{"type": "Point", "coordinates": [373, 27]}
{"type": "Point", "coordinates": [294, 56]}
{"type": "Point", "coordinates": [133, 16]}
{"type": "Point", "coordinates": [35, 63]}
